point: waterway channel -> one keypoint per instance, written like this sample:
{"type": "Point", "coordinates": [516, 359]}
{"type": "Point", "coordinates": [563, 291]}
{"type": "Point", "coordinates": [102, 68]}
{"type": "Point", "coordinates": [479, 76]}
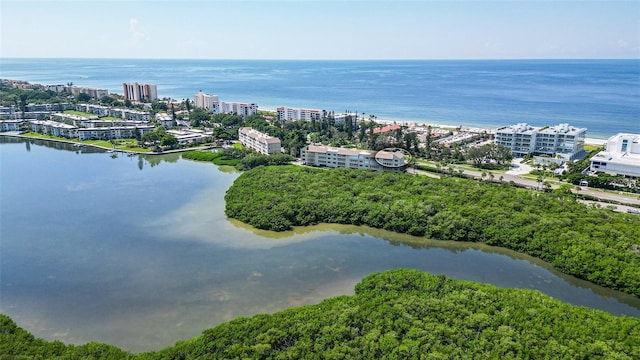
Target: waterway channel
{"type": "Point", "coordinates": [136, 251]}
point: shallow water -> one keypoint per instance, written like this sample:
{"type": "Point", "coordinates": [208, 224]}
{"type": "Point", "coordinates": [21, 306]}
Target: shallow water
{"type": "Point", "coordinates": [137, 252]}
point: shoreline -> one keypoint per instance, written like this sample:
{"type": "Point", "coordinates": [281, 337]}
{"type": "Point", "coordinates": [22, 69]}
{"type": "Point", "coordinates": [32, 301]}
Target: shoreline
{"type": "Point", "coordinates": [107, 149]}
{"type": "Point", "coordinates": [597, 141]}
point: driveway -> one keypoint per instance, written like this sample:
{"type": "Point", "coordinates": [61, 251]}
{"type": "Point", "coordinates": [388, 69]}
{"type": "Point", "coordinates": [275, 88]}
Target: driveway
{"type": "Point", "coordinates": [518, 168]}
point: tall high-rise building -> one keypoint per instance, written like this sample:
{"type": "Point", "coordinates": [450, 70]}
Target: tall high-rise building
{"type": "Point", "coordinates": [140, 92]}
{"type": "Point", "coordinates": [205, 101]}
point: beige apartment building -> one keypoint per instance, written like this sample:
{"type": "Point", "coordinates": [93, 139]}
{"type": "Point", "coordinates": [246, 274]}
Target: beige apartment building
{"type": "Point", "coordinates": [258, 141]}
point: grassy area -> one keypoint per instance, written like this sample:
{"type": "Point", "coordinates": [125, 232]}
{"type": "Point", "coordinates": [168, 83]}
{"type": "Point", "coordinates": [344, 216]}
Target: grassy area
{"type": "Point", "coordinates": [110, 118]}
{"type": "Point", "coordinates": [120, 144]}
{"type": "Point", "coordinates": [589, 148]}
{"type": "Point", "coordinates": [465, 167]}
{"type": "Point", "coordinates": [47, 137]}
{"type": "Point", "coordinates": [79, 113]}
{"type": "Point", "coordinates": [238, 146]}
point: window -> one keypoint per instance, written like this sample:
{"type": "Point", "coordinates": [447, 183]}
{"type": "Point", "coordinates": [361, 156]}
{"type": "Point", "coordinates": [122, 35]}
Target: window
{"type": "Point", "coordinates": [624, 145]}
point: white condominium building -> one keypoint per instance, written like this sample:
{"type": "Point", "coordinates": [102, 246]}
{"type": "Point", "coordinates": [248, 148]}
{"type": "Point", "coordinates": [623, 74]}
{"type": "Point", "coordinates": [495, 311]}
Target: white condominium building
{"type": "Point", "coordinates": [621, 156]}
{"type": "Point", "coordinates": [291, 114]}
{"type": "Point", "coordinates": [114, 132]}
{"type": "Point", "coordinates": [205, 101]}
{"type": "Point", "coordinates": [327, 156]}
{"type": "Point", "coordinates": [54, 128]}
{"type": "Point", "coordinates": [561, 140]}
{"type": "Point", "coordinates": [11, 125]}
{"type": "Point", "coordinates": [140, 92]}
{"type": "Point", "coordinates": [242, 109]}
{"type": "Point", "coordinates": [94, 93]}
{"type": "Point", "coordinates": [94, 109]}
{"type": "Point", "coordinates": [213, 104]}
{"type": "Point", "coordinates": [258, 141]}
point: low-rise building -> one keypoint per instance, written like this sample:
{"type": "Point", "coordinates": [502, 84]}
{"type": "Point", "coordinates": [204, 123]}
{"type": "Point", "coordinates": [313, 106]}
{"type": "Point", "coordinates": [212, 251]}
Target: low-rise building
{"type": "Point", "coordinates": [621, 156]}
{"type": "Point", "coordinates": [341, 118]}
{"type": "Point", "coordinates": [6, 111]}
{"type": "Point", "coordinates": [11, 125]}
{"type": "Point", "coordinates": [386, 129]}
{"type": "Point", "coordinates": [72, 119]}
{"type": "Point", "coordinates": [562, 140]}
{"type": "Point", "coordinates": [54, 128]}
{"type": "Point", "coordinates": [93, 109]}
{"type": "Point", "coordinates": [128, 114]}
{"type": "Point", "coordinates": [258, 141]}
{"type": "Point", "coordinates": [327, 156]}
{"type": "Point", "coordinates": [49, 107]}
{"type": "Point", "coordinates": [193, 136]}
{"type": "Point", "coordinates": [165, 120]}
{"type": "Point", "coordinates": [114, 132]}
{"type": "Point", "coordinates": [33, 115]}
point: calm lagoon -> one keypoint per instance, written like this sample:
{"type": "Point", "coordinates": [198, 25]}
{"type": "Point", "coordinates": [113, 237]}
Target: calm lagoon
{"type": "Point", "coordinates": [137, 252]}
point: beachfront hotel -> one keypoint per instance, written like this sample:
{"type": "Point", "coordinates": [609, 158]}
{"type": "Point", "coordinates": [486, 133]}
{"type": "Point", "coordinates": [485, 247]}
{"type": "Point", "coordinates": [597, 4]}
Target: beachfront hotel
{"type": "Point", "coordinates": [620, 157]}
{"type": "Point", "coordinates": [332, 157]}
{"type": "Point", "coordinates": [563, 141]}
{"type": "Point", "coordinates": [258, 141]}
{"type": "Point", "coordinates": [140, 92]}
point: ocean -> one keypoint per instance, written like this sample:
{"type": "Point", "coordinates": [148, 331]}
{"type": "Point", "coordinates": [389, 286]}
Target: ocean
{"type": "Point", "coordinates": [601, 95]}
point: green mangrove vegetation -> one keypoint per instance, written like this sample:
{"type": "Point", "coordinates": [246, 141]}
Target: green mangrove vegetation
{"type": "Point", "coordinates": [396, 314]}
{"type": "Point", "coordinates": [594, 244]}
{"type": "Point", "coordinates": [241, 158]}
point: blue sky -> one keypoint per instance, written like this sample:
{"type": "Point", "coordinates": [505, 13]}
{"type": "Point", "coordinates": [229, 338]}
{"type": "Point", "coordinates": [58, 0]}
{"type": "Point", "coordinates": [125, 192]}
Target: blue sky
{"type": "Point", "coordinates": [348, 29]}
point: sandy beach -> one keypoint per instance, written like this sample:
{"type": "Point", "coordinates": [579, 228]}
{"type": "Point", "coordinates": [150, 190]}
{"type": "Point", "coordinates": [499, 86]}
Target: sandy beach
{"type": "Point", "coordinates": [414, 123]}
{"type": "Point", "coordinates": [594, 141]}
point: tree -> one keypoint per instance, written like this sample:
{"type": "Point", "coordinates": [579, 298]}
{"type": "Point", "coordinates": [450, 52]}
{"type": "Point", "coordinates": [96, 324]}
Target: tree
{"type": "Point", "coordinates": [294, 141]}
{"type": "Point", "coordinates": [127, 103]}
{"type": "Point", "coordinates": [108, 100]}
{"type": "Point", "coordinates": [159, 106]}
{"type": "Point", "coordinates": [349, 127]}
{"type": "Point", "coordinates": [198, 117]}
{"type": "Point", "coordinates": [83, 97]}
{"type": "Point", "coordinates": [480, 155]}
{"type": "Point", "coordinates": [169, 140]}
{"type": "Point", "coordinates": [23, 103]}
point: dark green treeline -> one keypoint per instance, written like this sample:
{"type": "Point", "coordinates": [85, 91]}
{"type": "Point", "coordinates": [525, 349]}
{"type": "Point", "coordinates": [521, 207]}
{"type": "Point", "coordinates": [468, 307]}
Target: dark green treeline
{"type": "Point", "coordinates": [397, 314]}
{"type": "Point", "coordinates": [593, 244]}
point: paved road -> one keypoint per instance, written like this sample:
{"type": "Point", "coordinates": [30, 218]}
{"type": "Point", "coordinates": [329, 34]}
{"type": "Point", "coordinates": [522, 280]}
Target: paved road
{"type": "Point", "coordinates": [627, 199]}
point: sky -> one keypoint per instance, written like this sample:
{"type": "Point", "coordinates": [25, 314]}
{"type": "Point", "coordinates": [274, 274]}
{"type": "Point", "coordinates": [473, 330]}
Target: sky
{"type": "Point", "coordinates": [334, 30]}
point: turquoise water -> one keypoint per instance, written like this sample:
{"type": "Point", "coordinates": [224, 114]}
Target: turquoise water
{"type": "Point", "coordinates": [136, 251]}
{"type": "Point", "coordinates": [601, 95]}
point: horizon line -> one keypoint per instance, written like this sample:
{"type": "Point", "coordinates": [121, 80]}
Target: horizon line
{"type": "Point", "coordinates": [305, 59]}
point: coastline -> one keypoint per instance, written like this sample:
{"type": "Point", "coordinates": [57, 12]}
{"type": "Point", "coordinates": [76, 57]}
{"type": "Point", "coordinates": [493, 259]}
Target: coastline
{"type": "Point", "coordinates": [596, 141]}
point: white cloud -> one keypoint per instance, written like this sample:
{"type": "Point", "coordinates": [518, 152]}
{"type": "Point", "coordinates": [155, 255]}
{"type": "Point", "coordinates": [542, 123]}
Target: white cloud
{"type": "Point", "coordinates": [136, 36]}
